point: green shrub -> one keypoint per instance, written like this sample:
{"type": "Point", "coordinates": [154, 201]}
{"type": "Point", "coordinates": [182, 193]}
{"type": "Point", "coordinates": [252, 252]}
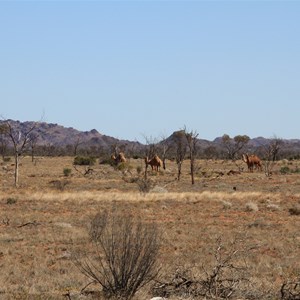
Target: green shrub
{"type": "Point", "coordinates": [67, 172]}
{"type": "Point", "coordinates": [11, 201]}
{"type": "Point", "coordinates": [122, 166]}
{"type": "Point", "coordinates": [106, 161]}
{"type": "Point", "coordinates": [285, 170]}
{"type": "Point", "coordinates": [84, 161]}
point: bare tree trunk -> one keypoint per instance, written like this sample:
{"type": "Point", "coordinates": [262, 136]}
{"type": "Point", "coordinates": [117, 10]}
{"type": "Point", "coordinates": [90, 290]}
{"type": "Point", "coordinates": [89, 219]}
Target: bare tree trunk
{"type": "Point", "coordinates": [179, 164]}
{"type": "Point", "coordinates": [164, 163]}
{"type": "Point", "coordinates": [191, 138]}
{"type": "Point", "coordinates": [192, 171]}
{"type": "Point", "coordinates": [16, 168]}
{"type": "Point", "coordinates": [32, 154]}
{"type": "Point", "coordinates": [146, 168]}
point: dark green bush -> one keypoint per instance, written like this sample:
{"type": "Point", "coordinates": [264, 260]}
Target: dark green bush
{"type": "Point", "coordinates": [67, 172]}
{"type": "Point", "coordinates": [287, 170]}
{"type": "Point", "coordinates": [11, 201]}
{"type": "Point", "coordinates": [106, 161]}
{"type": "Point", "coordinates": [84, 161]}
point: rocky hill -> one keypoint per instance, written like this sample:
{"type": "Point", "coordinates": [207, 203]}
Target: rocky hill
{"type": "Point", "coordinates": [60, 136]}
{"type": "Point", "coordinates": [55, 135]}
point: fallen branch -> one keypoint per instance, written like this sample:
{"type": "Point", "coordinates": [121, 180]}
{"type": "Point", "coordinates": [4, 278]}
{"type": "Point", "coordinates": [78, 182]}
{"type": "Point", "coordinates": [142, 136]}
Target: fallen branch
{"type": "Point", "coordinates": [35, 223]}
{"type": "Point", "coordinates": [87, 170]}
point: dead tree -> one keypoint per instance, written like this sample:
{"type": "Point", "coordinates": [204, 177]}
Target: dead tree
{"type": "Point", "coordinates": [77, 143]}
{"type": "Point", "coordinates": [180, 144]}
{"type": "Point", "coordinates": [20, 136]}
{"type": "Point", "coordinates": [32, 143]}
{"type": "Point", "coordinates": [275, 147]}
{"type": "Point", "coordinates": [165, 147]}
{"type": "Point", "coordinates": [191, 138]}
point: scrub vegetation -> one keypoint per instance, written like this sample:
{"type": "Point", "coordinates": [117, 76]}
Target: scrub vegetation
{"type": "Point", "coordinates": [233, 234]}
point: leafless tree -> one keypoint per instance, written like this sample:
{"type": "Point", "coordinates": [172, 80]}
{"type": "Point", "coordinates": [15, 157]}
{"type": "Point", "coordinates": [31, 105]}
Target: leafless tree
{"type": "Point", "coordinates": [32, 144]}
{"type": "Point", "coordinates": [275, 147]}
{"type": "Point", "coordinates": [165, 147]}
{"type": "Point", "coordinates": [181, 148]}
{"type": "Point", "coordinates": [191, 138]}
{"type": "Point", "coordinates": [77, 143]}
{"type": "Point", "coordinates": [271, 151]}
{"type": "Point", "coordinates": [126, 253]}
{"type": "Point", "coordinates": [20, 138]}
{"type": "Point", "coordinates": [151, 146]}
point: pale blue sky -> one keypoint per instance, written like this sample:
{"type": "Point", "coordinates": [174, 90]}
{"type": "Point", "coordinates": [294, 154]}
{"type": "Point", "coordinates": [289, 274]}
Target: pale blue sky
{"type": "Point", "coordinates": [146, 68]}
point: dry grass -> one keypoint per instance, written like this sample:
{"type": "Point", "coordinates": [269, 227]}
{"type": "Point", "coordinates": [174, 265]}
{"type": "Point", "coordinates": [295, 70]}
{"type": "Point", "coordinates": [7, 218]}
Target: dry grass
{"type": "Point", "coordinates": [41, 224]}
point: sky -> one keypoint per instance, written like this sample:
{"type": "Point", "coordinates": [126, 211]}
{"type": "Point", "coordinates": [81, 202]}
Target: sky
{"type": "Point", "coordinates": [140, 70]}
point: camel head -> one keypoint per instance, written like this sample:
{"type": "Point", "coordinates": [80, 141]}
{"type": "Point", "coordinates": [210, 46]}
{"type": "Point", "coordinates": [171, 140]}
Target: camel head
{"type": "Point", "coordinates": [245, 158]}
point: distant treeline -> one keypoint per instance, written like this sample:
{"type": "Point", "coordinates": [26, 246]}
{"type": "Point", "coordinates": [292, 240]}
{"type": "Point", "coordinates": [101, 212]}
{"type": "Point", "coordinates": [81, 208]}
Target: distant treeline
{"type": "Point", "coordinates": [210, 152]}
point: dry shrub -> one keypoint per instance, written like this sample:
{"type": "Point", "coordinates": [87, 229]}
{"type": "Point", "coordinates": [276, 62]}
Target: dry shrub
{"type": "Point", "coordinates": [126, 253]}
{"type": "Point", "coordinates": [158, 189]}
{"type": "Point", "coordinates": [273, 207]}
{"type": "Point", "coordinates": [251, 206]}
{"type": "Point", "coordinates": [290, 290]}
{"type": "Point", "coordinates": [144, 185]}
{"type": "Point", "coordinates": [226, 278]}
{"type": "Point", "coordinates": [59, 184]}
{"type": "Point", "coordinates": [226, 204]}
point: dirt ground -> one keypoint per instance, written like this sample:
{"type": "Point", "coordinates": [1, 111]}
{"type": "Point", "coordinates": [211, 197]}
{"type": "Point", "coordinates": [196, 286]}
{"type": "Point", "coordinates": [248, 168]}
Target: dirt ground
{"type": "Point", "coordinates": [48, 216]}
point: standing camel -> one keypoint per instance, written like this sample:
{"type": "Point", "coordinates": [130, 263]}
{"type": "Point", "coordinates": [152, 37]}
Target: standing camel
{"type": "Point", "coordinates": [155, 162]}
{"type": "Point", "coordinates": [120, 158]}
{"type": "Point", "coordinates": [252, 161]}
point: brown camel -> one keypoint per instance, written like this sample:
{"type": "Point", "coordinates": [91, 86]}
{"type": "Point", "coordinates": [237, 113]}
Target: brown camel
{"type": "Point", "coordinates": [252, 161]}
{"type": "Point", "coordinates": [155, 162]}
{"type": "Point", "coordinates": [120, 158]}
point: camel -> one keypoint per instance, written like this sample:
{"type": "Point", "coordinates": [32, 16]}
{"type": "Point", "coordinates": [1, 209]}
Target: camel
{"type": "Point", "coordinates": [155, 162]}
{"type": "Point", "coordinates": [252, 161]}
{"type": "Point", "coordinates": [120, 158]}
